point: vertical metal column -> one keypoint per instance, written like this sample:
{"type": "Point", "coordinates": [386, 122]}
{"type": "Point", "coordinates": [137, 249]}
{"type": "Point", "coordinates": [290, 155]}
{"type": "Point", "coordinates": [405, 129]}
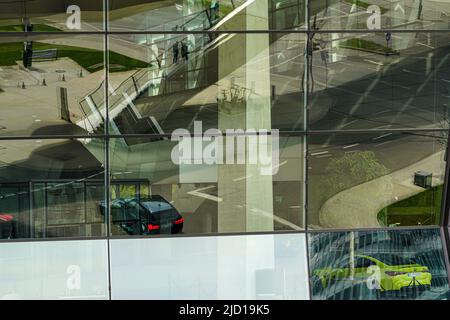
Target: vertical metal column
{"type": "Point", "coordinates": [106, 142]}
{"type": "Point", "coordinates": [305, 142]}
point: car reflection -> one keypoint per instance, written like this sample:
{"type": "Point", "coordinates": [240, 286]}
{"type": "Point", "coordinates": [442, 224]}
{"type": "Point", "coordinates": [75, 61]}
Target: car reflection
{"type": "Point", "coordinates": [143, 216]}
{"type": "Point", "coordinates": [7, 226]}
{"type": "Point", "coordinates": [387, 272]}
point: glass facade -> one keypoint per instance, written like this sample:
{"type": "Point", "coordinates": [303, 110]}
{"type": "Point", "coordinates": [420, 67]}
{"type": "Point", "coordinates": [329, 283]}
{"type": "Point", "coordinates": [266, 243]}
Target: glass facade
{"type": "Point", "coordinates": [295, 148]}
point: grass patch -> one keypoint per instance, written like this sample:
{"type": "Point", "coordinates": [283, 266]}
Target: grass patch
{"type": "Point", "coordinates": [421, 209]}
{"type": "Point", "coordinates": [36, 28]}
{"type": "Point", "coordinates": [90, 59]}
{"type": "Point", "coordinates": [362, 44]}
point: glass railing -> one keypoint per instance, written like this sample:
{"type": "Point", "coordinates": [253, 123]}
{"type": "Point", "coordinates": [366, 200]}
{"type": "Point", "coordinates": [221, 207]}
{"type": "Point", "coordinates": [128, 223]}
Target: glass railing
{"type": "Point", "coordinates": [162, 66]}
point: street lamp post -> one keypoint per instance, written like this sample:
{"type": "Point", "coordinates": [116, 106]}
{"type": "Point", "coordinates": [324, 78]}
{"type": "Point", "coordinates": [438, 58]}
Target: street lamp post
{"type": "Point", "coordinates": [28, 45]}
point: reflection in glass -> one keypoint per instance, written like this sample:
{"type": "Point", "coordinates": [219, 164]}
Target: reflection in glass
{"type": "Point", "coordinates": [182, 15]}
{"type": "Point", "coordinates": [226, 81]}
{"type": "Point", "coordinates": [366, 265]}
{"type": "Point", "coordinates": [51, 15]}
{"type": "Point", "coordinates": [210, 196]}
{"type": "Point", "coordinates": [47, 85]}
{"type": "Point", "coordinates": [379, 80]}
{"type": "Point", "coordinates": [378, 179]}
{"type": "Point", "coordinates": [51, 188]}
{"type": "Point", "coordinates": [374, 14]}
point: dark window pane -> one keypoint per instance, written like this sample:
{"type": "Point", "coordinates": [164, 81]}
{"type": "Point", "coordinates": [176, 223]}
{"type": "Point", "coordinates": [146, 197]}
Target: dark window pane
{"type": "Point", "coordinates": [52, 188]}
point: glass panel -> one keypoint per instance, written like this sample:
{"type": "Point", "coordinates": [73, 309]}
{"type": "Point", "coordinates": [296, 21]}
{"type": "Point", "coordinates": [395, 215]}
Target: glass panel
{"type": "Point", "coordinates": [51, 15]}
{"type": "Point", "coordinates": [51, 188]}
{"type": "Point", "coordinates": [275, 267]}
{"type": "Point", "coordinates": [208, 194]}
{"type": "Point", "coordinates": [189, 15]}
{"type": "Point", "coordinates": [54, 270]}
{"type": "Point", "coordinates": [193, 80]}
{"type": "Point", "coordinates": [376, 14]}
{"type": "Point", "coordinates": [51, 85]}
{"type": "Point", "coordinates": [385, 265]}
{"type": "Point", "coordinates": [370, 81]}
{"type": "Point", "coordinates": [377, 179]}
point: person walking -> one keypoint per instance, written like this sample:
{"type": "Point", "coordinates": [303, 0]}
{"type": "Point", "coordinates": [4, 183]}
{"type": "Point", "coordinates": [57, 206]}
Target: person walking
{"type": "Point", "coordinates": [184, 50]}
{"type": "Point", "coordinates": [175, 51]}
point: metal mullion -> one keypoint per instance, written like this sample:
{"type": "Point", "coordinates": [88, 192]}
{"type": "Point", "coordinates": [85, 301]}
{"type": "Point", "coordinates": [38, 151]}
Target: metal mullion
{"type": "Point", "coordinates": [236, 31]}
{"type": "Point", "coordinates": [106, 182]}
{"type": "Point", "coordinates": [445, 204]}
{"type": "Point", "coordinates": [444, 235]}
{"type": "Point", "coordinates": [305, 148]}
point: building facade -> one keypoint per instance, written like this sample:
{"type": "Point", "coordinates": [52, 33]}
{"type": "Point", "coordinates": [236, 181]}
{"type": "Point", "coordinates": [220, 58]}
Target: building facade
{"type": "Point", "coordinates": [224, 149]}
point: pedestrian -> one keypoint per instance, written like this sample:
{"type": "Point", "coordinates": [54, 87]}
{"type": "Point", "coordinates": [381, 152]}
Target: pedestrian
{"type": "Point", "coordinates": [214, 10]}
{"type": "Point", "coordinates": [184, 50]}
{"type": "Point", "coordinates": [175, 50]}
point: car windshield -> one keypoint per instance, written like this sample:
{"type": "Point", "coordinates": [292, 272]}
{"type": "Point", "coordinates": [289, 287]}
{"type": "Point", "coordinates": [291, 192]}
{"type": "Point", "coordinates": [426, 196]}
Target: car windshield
{"type": "Point", "coordinates": [155, 206]}
{"type": "Point", "coordinates": [392, 259]}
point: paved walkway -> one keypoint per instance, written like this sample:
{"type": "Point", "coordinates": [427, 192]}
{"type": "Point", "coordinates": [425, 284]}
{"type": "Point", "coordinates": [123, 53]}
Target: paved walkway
{"type": "Point", "coordinates": [359, 205]}
{"type": "Point", "coordinates": [24, 110]}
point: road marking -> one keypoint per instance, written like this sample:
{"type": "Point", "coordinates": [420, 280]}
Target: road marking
{"type": "Point", "coordinates": [344, 63]}
{"type": "Point", "coordinates": [386, 126]}
{"type": "Point", "coordinates": [270, 215]}
{"type": "Point", "coordinates": [380, 144]}
{"type": "Point", "coordinates": [324, 156]}
{"type": "Point", "coordinates": [242, 178]}
{"type": "Point", "coordinates": [319, 153]}
{"type": "Point", "coordinates": [205, 195]}
{"type": "Point", "coordinates": [382, 136]}
{"type": "Point", "coordinates": [425, 45]}
{"type": "Point", "coordinates": [351, 146]}
{"type": "Point", "coordinates": [374, 62]}
{"type": "Point", "coordinates": [349, 123]}
{"type": "Point", "coordinates": [382, 112]}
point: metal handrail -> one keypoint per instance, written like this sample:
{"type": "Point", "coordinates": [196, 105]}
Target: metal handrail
{"type": "Point", "coordinates": [134, 77]}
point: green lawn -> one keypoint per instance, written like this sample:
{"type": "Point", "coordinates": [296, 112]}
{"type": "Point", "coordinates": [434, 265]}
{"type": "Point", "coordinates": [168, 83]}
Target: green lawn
{"type": "Point", "coordinates": [36, 28]}
{"type": "Point", "coordinates": [90, 59]}
{"type": "Point", "coordinates": [362, 44]}
{"type": "Point", "coordinates": [421, 209]}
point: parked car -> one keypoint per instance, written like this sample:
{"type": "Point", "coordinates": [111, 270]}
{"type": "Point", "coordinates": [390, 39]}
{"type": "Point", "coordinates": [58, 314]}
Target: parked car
{"type": "Point", "coordinates": [147, 215]}
{"type": "Point", "coordinates": [7, 226]}
{"type": "Point", "coordinates": [396, 273]}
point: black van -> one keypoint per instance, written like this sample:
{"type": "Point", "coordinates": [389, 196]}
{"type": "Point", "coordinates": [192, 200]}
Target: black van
{"type": "Point", "coordinates": [148, 215]}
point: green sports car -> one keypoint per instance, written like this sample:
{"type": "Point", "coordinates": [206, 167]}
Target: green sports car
{"type": "Point", "coordinates": [394, 274]}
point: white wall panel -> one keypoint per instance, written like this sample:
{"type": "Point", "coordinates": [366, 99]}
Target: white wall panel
{"type": "Point", "coordinates": [224, 267]}
{"type": "Point", "coordinates": [54, 270]}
